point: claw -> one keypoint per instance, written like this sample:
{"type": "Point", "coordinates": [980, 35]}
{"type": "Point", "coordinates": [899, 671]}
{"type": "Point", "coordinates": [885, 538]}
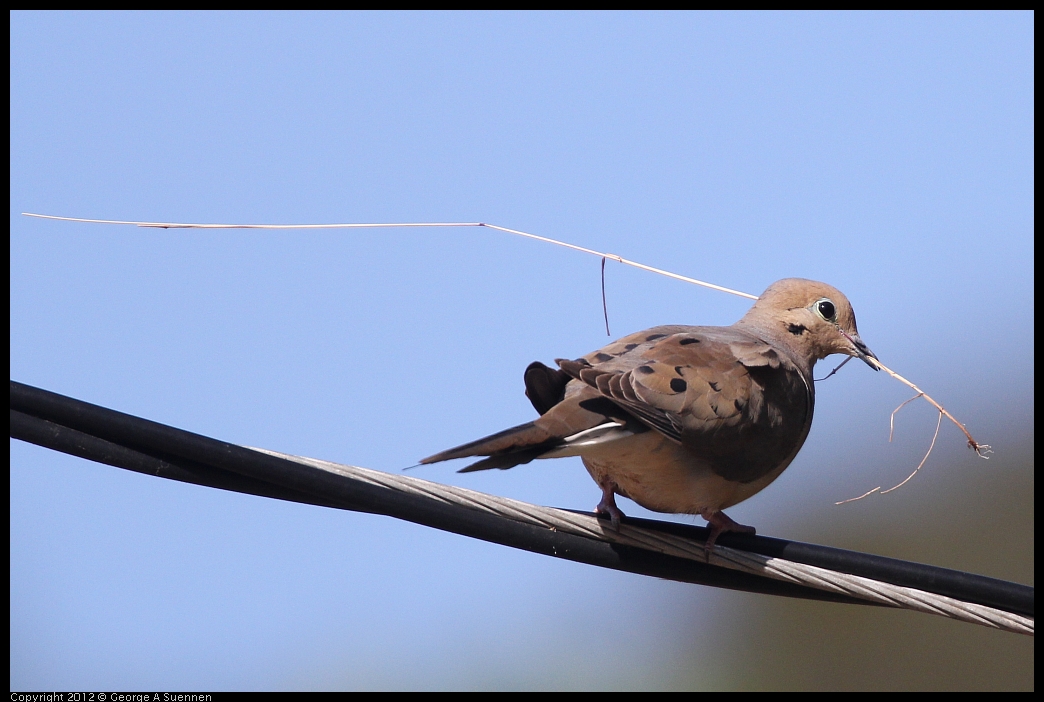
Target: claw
{"type": "Point", "coordinates": [719, 524]}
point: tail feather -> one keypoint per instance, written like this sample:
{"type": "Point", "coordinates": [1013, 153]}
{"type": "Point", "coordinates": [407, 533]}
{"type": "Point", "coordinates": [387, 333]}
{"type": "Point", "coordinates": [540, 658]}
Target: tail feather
{"type": "Point", "coordinates": [503, 461]}
{"type": "Point", "coordinates": [545, 387]}
{"type": "Point", "coordinates": [566, 427]}
{"type": "Point", "coordinates": [505, 449]}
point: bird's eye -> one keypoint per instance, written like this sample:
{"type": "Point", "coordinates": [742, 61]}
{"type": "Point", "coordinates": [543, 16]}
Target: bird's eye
{"type": "Point", "coordinates": [826, 310]}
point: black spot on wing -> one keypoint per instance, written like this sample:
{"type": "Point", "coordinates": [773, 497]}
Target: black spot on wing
{"type": "Point", "coordinates": [654, 337]}
{"type": "Point", "coordinates": [688, 340]}
{"type": "Point", "coordinates": [603, 357]}
{"type": "Point", "coordinates": [645, 370]}
{"type": "Point", "coordinates": [678, 385]}
{"type": "Point", "coordinates": [630, 347]}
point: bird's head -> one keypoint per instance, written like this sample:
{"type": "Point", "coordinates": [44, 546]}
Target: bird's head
{"type": "Point", "coordinates": [815, 318]}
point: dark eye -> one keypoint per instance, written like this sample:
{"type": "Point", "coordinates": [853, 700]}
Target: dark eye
{"type": "Point", "coordinates": [826, 309]}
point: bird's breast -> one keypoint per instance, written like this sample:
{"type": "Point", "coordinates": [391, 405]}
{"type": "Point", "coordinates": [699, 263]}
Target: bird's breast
{"type": "Point", "coordinates": [663, 476]}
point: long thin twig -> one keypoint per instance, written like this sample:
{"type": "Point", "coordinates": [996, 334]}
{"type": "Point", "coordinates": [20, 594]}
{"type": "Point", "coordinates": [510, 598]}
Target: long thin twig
{"type": "Point", "coordinates": [983, 450]}
{"type": "Point", "coordinates": [614, 257]}
{"type": "Point", "coordinates": [891, 419]}
{"type": "Point", "coordinates": [935, 436]}
{"type": "Point", "coordinates": [839, 367]}
{"type": "Point", "coordinates": [926, 455]}
{"type": "Point", "coordinates": [853, 499]}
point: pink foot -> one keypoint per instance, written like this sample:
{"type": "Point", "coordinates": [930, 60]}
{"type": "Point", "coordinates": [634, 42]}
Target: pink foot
{"type": "Point", "coordinates": [719, 524]}
{"type": "Point", "coordinates": [608, 505]}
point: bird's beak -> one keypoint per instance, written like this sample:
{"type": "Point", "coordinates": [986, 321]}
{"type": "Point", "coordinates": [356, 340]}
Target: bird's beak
{"type": "Point", "coordinates": [861, 351]}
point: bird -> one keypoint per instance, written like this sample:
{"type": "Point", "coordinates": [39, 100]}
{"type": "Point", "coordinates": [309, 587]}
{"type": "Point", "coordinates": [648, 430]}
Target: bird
{"type": "Point", "coordinates": [685, 419]}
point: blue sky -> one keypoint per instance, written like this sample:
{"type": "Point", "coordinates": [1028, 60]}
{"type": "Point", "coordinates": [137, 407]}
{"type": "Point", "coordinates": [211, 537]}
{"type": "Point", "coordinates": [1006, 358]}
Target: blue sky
{"type": "Point", "coordinates": [890, 155]}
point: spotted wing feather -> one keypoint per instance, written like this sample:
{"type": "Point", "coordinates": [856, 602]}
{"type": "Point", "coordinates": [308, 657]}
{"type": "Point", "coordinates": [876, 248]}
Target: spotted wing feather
{"type": "Point", "coordinates": [728, 396]}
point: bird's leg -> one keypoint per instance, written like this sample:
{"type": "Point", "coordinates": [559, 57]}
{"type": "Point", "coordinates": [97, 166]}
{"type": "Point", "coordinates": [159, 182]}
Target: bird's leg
{"type": "Point", "coordinates": [719, 524]}
{"type": "Point", "coordinates": [608, 504]}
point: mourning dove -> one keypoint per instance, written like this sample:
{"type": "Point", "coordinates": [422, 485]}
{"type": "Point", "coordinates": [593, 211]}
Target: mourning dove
{"type": "Point", "coordinates": [682, 419]}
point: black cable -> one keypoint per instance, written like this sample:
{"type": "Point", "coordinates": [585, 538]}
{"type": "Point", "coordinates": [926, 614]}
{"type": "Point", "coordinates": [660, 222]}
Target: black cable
{"type": "Point", "coordinates": [125, 441]}
{"type": "Point", "coordinates": [429, 511]}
